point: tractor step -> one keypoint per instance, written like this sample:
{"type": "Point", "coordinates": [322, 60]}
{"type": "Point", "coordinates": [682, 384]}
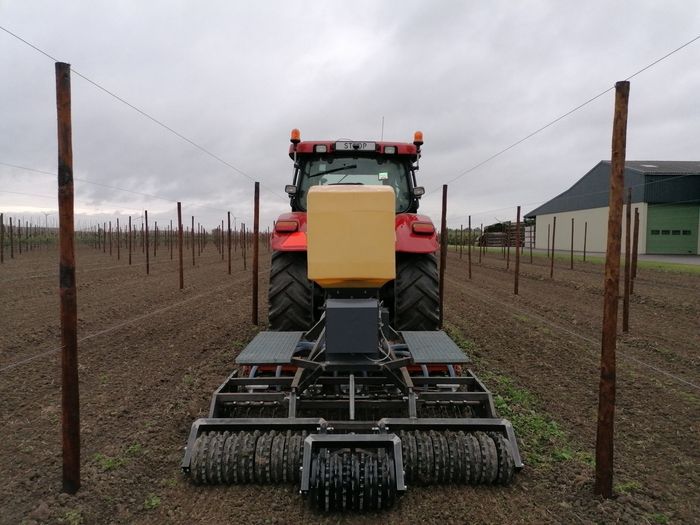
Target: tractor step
{"type": "Point", "coordinates": [270, 348]}
{"type": "Point", "coordinates": [433, 348]}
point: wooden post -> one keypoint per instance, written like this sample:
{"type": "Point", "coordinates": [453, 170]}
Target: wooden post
{"type": "Point", "coordinates": [469, 247]}
{"type": "Point", "coordinates": [606, 397]}
{"type": "Point", "coordinates": [179, 243]}
{"type": "Point", "coordinates": [256, 250]}
{"type": "Point", "coordinates": [130, 239]}
{"type": "Point", "coordinates": [228, 237]}
{"type": "Point", "coordinates": [585, 236]}
{"type": "Point", "coordinates": [517, 252]}
{"type": "Point", "coordinates": [12, 242]}
{"type": "Point", "coordinates": [628, 262]}
{"type": "Point", "coordinates": [243, 246]}
{"type": "Point", "coordinates": [572, 243]}
{"type": "Point", "coordinates": [443, 252]}
{"type": "Point", "coordinates": [461, 241]}
{"type": "Point", "coordinates": [19, 235]}
{"type": "Point", "coordinates": [70, 396]}
{"type": "Point", "coordinates": [551, 262]}
{"type": "Point", "coordinates": [508, 247]}
{"type": "Point", "coordinates": [119, 252]}
{"type": "Point", "coordinates": [155, 239]}
{"type": "Point", "coordinates": [2, 238]}
{"type": "Point", "coordinates": [481, 243]}
{"type": "Point", "coordinates": [635, 249]}
{"type": "Point", "coordinates": [148, 267]}
{"type": "Point", "coordinates": [192, 240]}
{"type": "Point", "coordinates": [221, 239]}
{"type": "Point", "coordinates": [503, 240]}
{"type": "Point", "coordinates": [110, 238]}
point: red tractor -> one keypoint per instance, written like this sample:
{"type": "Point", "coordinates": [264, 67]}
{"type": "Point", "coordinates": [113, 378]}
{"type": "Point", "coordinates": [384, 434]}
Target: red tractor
{"type": "Point", "coordinates": [412, 299]}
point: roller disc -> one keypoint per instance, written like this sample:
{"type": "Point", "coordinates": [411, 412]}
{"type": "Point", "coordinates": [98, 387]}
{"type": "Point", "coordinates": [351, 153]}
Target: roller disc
{"type": "Point", "coordinates": [229, 459]}
{"type": "Point", "coordinates": [408, 445]}
{"type": "Point", "coordinates": [425, 464]}
{"type": "Point", "coordinates": [489, 458]}
{"type": "Point", "coordinates": [263, 450]}
{"type": "Point", "coordinates": [506, 464]}
{"type": "Point", "coordinates": [200, 450]}
{"type": "Point", "coordinates": [246, 457]}
{"type": "Point", "coordinates": [473, 450]}
{"type": "Point", "coordinates": [215, 458]}
{"type": "Point", "coordinates": [440, 456]}
{"type": "Point", "coordinates": [315, 481]}
{"type": "Point", "coordinates": [455, 467]}
{"type": "Point", "coordinates": [277, 458]}
{"type": "Point", "coordinates": [371, 482]}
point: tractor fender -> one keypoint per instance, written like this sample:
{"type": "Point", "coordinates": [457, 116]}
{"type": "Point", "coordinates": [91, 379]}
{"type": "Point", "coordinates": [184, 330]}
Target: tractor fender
{"type": "Point", "coordinates": [290, 241]}
{"type": "Point", "coordinates": [408, 241]}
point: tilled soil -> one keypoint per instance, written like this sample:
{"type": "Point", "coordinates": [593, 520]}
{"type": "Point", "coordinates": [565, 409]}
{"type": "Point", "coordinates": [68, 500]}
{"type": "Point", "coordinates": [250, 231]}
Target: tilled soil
{"type": "Point", "coordinates": [151, 355]}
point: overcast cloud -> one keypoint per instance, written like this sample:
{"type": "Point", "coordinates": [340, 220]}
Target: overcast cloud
{"type": "Point", "coordinates": [235, 77]}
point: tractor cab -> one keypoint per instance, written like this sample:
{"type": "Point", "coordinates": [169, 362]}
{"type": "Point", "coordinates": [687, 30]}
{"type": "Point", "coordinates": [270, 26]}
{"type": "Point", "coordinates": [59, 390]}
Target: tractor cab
{"type": "Point", "coordinates": [346, 162]}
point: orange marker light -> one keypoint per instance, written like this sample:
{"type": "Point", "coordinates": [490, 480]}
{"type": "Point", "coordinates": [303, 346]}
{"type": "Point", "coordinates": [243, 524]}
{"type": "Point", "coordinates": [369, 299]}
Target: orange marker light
{"type": "Point", "coordinates": [418, 138]}
{"type": "Point", "coordinates": [286, 226]}
{"type": "Point", "coordinates": [423, 228]}
{"type": "Point", "coordinates": [296, 136]}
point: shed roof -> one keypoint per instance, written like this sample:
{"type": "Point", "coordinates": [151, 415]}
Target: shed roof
{"type": "Point", "coordinates": [663, 167]}
{"type": "Point", "coordinates": [647, 178]}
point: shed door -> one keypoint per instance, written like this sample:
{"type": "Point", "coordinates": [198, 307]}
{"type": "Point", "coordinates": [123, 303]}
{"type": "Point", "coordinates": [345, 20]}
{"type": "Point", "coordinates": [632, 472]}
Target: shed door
{"type": "Point", "coordinates": [673, 228]}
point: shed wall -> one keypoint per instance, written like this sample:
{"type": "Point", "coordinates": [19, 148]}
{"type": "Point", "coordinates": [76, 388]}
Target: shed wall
{"type": "Point", "coordinates": [597, 231]}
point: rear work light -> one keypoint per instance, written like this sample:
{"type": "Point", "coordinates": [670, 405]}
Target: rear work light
{"type": "Point", "coordinates": [389, 150]}
{"type": "Point", "coordinates": [286, 226]}
{"type": "Point", "coordinates": [320, 148]}
{"type": "Point", "coordinates": [423, 228]}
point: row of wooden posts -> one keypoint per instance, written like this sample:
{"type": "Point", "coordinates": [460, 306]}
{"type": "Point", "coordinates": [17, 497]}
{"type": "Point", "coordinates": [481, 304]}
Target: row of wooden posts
{"type": "Point", "coordinates": [22, 240]}
{"type": "Point", "coordinates": [630, 252]}
{"type": "Point", "coordinates": [103, 237]}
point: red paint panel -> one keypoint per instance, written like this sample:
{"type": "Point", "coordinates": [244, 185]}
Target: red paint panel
{"type": "Point", "coordinates": [406, 239]}
{"type": "Point", "coordinates": [291, 242]}
{"type": "Point", "coordinates": [410, 242]}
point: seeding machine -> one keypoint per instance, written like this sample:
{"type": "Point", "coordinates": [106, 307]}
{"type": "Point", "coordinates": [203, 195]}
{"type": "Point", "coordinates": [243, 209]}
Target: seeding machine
{"type": "Point", "coordinates": [354, 394]}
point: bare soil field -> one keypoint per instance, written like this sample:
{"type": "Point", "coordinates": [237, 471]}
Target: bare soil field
{"type": "Point", "coordinates": [151, 355]}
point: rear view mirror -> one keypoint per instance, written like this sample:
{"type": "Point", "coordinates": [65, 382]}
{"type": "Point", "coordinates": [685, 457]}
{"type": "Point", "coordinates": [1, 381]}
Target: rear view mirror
{"type": "Point", "coordinates": [290, 189]}
{"type": "Point", "coordinates": [418, 191]}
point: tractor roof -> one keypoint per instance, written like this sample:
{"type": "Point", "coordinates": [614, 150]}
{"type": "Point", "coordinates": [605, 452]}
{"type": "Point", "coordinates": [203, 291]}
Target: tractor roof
{"type": "Point", "coordinates": [349, 146]}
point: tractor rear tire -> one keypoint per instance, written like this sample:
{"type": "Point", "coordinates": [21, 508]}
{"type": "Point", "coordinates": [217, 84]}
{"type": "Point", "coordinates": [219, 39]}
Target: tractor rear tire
{"type": "Point", "coordinates": [417, 303]}
{"type": "Point", "coordinates": [289, 295]}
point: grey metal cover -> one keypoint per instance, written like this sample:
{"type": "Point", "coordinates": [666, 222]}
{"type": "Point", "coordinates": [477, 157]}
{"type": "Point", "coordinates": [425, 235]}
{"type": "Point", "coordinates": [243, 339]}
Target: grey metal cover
{"type": "Point", "coordinates": [433, 347]}
{"type": "Point", "coordinates": [270, 348]}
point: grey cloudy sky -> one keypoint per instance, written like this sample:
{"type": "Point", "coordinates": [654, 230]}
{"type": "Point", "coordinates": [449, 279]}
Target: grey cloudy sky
{"type": "Point", "coordinates": [235, 77]}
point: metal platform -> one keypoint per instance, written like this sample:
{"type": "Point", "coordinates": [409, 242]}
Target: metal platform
{"type": "Point", "coordinates": [270, 348]}
{"type": "Point", "coordinates": [434, 347]}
